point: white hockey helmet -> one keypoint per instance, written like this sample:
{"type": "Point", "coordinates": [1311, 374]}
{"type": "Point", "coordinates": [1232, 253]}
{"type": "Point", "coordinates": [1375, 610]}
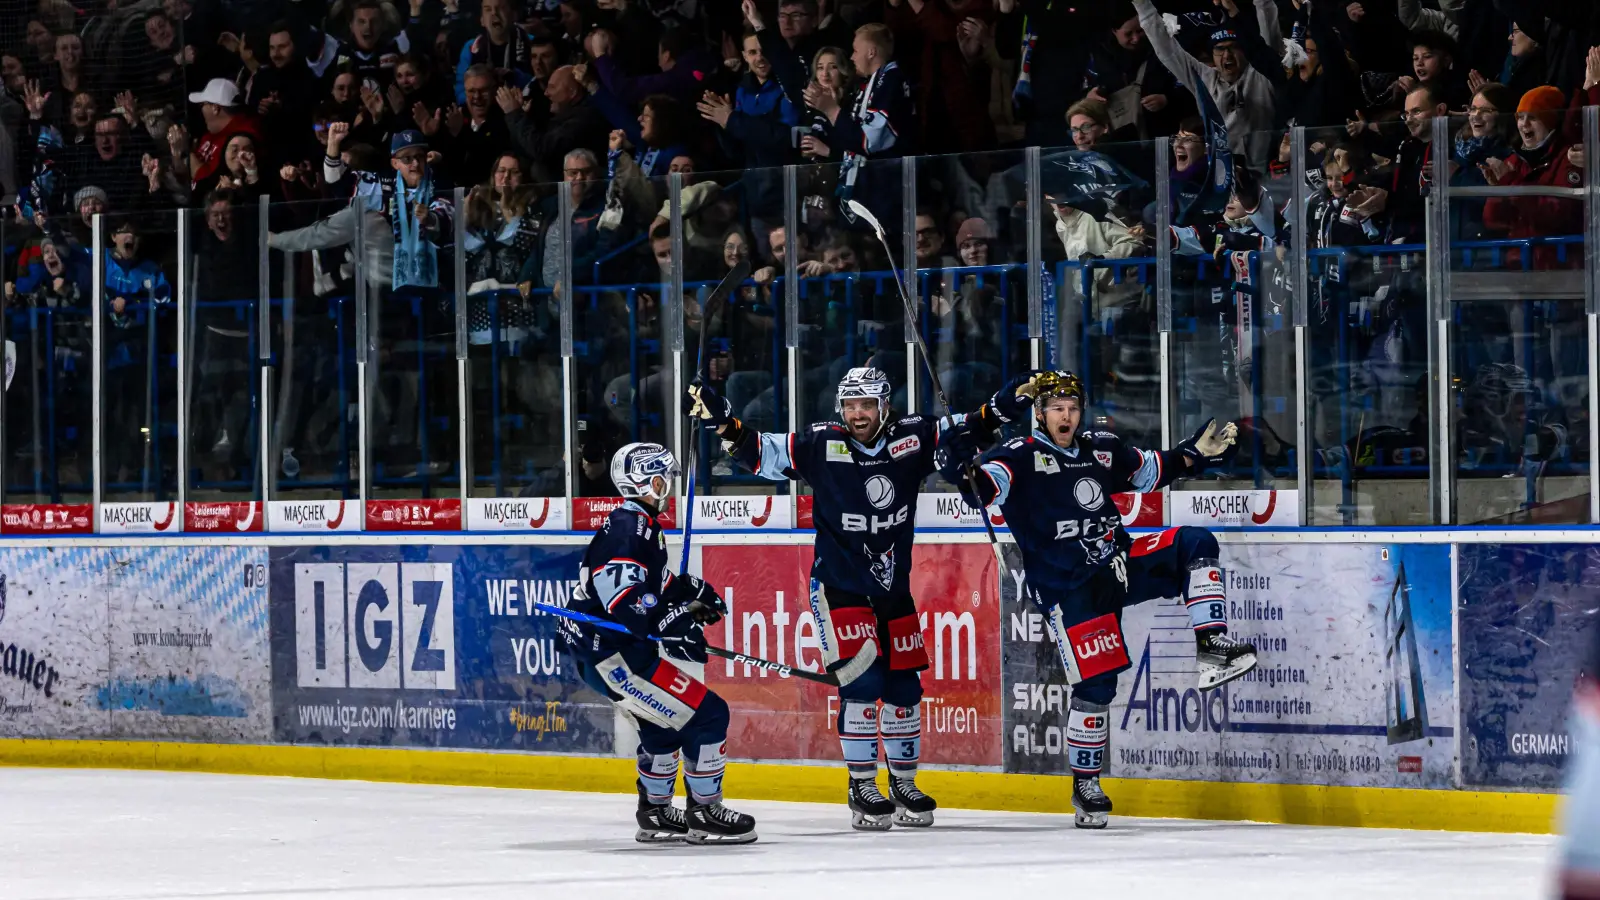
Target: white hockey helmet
{"type": "Point", "coordinates": [864, 382]}
{"type": "Point", "coordinates": [635, 468]}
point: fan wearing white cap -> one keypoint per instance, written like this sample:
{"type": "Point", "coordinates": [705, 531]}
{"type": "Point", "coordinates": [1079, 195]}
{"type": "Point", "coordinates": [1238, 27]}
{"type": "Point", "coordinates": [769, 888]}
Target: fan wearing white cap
{"type": "Point", "coordinates": [219, 107]}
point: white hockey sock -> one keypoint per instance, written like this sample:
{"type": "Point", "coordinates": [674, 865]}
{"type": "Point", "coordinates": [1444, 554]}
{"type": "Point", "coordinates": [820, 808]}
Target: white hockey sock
{"type": "Point", "coordinates": [1088, 732]}
{"type": "Point", "coordinates": [658, 772]}
{"type": "Point", "coordinates": [1207, 596]}
{"type": "Point", "coordinates": [858, 737]}
{"type": "Point", "coordinates": [901, 729]}
{"type": "Point", "coordinates": [702, 771]}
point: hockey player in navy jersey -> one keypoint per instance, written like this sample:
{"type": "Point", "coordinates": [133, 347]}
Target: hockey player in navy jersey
{"type": "Point", "coordinates": [625, 579]}
{"type": "Point", "coordinates": [1082, 568]}
{"type": "Point", "coordinates": [865, 472]}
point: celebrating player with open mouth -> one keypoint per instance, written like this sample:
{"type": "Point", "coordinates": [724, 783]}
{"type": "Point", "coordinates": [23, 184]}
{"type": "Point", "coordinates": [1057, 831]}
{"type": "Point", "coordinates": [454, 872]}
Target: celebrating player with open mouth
{"type": "Point", "coordinates": [1082, 568]}
{"type": "Point", "coordinates": [866, 473]}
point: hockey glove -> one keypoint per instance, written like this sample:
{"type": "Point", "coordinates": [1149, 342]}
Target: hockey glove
{"type": "Point", "coordinates": [681, 636]}
{"type": "Point", "coordinates": [699, 601]}
{"type": "Point", "coordinates": [1210, 445]}
{"type": "Point", "coordinates": [1013, 401]}
{"type": "Point", "coordinates": [956, 450]}
{"type": "Point", "coordinates": [702, 402]}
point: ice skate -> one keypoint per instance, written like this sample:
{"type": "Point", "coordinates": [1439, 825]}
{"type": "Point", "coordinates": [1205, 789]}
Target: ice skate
{"type": "Point", "coordinates": [1091, 806]}
{"type": "Point", "coordinates": [912, 808]}
{"type": "Point", "coordinates": [1221, 658]}
{"type": "Point", "coordinates": [659, 823]}
{"type": "Point", "coordinates": [869, 809]}
{"type": "Point", "coordinates": [713, 823]}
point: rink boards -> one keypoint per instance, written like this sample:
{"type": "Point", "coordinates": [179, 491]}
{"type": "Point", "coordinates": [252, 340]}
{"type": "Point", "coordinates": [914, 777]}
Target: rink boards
{"type": "Point", "coordinates": [1415, 678]}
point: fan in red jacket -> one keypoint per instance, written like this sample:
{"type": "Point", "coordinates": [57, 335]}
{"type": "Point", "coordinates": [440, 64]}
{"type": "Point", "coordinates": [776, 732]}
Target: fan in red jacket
{"type": "Point", "coordinates": [1541, 161]}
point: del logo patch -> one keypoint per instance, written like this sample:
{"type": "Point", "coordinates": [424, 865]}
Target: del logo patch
{"type": "Point", "coordinates": [1103, 457]}
{"type": "Point", "coordinates": [908, 444]}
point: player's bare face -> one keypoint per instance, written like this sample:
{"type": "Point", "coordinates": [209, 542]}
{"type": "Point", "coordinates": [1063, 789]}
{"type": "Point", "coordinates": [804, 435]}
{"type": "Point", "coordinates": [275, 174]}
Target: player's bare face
{"type": "Point", "coordinates": [1061, 418]}
{"type": "Point", "coordinates": [861, 417]}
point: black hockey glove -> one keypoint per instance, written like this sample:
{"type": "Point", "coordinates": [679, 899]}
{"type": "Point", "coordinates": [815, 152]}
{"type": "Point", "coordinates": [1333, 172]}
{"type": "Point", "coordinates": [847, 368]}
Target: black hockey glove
{"type": "Point", "coordinates": [957, 448]}
{"type": "Point", "coordinates": [1008, 405]}
{"type": "Point", "coordinates": [681, 636]}
{"type": "Point", "coordinates": [1210, 446]}
{"type": "Point", "coordinates": [699, 601]}
{"type": "Point", "coordinates": [702, 402]}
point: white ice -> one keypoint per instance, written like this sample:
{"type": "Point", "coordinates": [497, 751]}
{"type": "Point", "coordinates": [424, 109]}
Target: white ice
{"type": "Point", "coordinates": [111, 834]}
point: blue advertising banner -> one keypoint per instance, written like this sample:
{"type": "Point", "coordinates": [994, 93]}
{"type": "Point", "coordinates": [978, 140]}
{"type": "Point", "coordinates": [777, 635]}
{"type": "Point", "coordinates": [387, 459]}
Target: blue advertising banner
{"type": "Point", "coordinates": [1527, 618]}
{"type": "Point", "coordinates": [429, 646]}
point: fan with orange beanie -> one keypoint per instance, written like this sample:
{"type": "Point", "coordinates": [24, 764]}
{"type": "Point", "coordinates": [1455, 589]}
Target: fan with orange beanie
{"type": "Point", "coordinates": [1540, 161]}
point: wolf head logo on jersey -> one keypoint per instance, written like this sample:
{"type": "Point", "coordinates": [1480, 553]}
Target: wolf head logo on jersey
{"type": "Point", "coordinates": [883, 567]}
{"type": "Point", "coordinates": [1097, 550]}
{"type": "Point", "coordinates": [880, 492]}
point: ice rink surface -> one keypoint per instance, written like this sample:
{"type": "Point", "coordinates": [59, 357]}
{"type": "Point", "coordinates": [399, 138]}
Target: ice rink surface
{"type": "Point", "coordinates": [112, 834]}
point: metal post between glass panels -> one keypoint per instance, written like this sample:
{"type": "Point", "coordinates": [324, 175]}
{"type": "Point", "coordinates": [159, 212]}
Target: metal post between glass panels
{"type": "Point", "coordinates": [185, 303]}
{"type": "Point", "coordinates": [1299, 311]}
{"type": "Point", "coordinates": [264, 350]}
{"type": "Point", "coordinates": [1163, 151]}
{"type": "Point", "coordinates": [909, 277]}
{"type": "Point", "coordinates": [673, 322]}
{"type": "Point", "coordinates": [791, 294]}
{"type": "Point", "coordinates": [97, 379]}
{"type": "Point", "coordinates": [463, 370]}
{"type": "Point", "coordinates": [1441, 470]}
{"type": "Point", "coordinates": [363, 355]}
{"type": "Point", "coordinates": [564, 295]}
{"type": "Point", "coordinates": [1035, 255]}
{"type": "Point", "coordinates": [1591, 290]}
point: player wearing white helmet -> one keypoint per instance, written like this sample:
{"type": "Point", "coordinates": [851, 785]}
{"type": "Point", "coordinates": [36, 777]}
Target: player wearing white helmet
{"type": "Point", "coordinates": [865, 472]}
{"type": "Point", "coordinates": [625, 579]}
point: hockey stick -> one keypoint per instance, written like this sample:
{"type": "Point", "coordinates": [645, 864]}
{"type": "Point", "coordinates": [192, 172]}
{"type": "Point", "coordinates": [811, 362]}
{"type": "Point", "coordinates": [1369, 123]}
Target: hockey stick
{"type": "Point", "coordinates": [766, 665]}
{"type": "Point", "coordinates": [927, 360]}
{"type": "Point", "coordinates": [733, 279]}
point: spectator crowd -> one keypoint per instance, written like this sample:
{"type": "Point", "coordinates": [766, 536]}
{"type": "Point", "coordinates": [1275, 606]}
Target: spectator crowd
{"type": "Point", "coordinates": [369, 114]}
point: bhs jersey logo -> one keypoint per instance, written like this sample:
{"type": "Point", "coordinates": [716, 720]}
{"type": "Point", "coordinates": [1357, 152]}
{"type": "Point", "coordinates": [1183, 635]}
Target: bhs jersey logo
{"type": "Point", "coordinates": [880, 492]}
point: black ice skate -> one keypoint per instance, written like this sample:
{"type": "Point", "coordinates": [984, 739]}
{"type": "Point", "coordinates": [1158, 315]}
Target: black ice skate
{"type": "Point", "coordinates": [1090, 804]}
{"type": "Point", "coordinates": [1221, 658]}
{"type": "Point", "coordinates": [869, 809]}
{"type": "Point", "coordinates": [659, 824]}
{"type": "Point", "coordinates": [912, 808]}
{"type": "Point", "coordinates": [713, 823]}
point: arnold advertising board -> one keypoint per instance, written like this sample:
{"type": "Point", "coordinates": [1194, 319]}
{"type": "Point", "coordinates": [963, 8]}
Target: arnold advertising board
{"type": "Point", "coordinates": [1355, 684]}
{"type": "Point", "coordinates": [134, 642]}
{"type": "Point", "coordinates": [767, 589]}
{"type": "Point", "coordinates": [429, 646]}
{"type": "Point", "coordinates": [1528, 616]}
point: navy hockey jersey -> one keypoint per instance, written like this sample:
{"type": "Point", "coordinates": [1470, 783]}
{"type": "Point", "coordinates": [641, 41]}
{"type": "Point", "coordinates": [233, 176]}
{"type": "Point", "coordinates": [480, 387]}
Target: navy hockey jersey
{"type": "Point", "coordinates": [866, 496]}
{"type": "Point", "coordinates": [625, 572]}
{"type": "Point", "coordinates": [1057, 501]}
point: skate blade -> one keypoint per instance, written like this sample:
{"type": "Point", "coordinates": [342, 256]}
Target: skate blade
{"type": "Point", "coordinates": [702, 838]}
{"type": "Point", "coordinates": [650, 836]}
{"type": "Point", "coordinates": [1090, 820]}
{"type": "Point", "coordinates": [1213, 675]}
{"type": "Point", "coordinates": [908, 819]}
{"type": "Point", "coordinates": [864, 822]}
